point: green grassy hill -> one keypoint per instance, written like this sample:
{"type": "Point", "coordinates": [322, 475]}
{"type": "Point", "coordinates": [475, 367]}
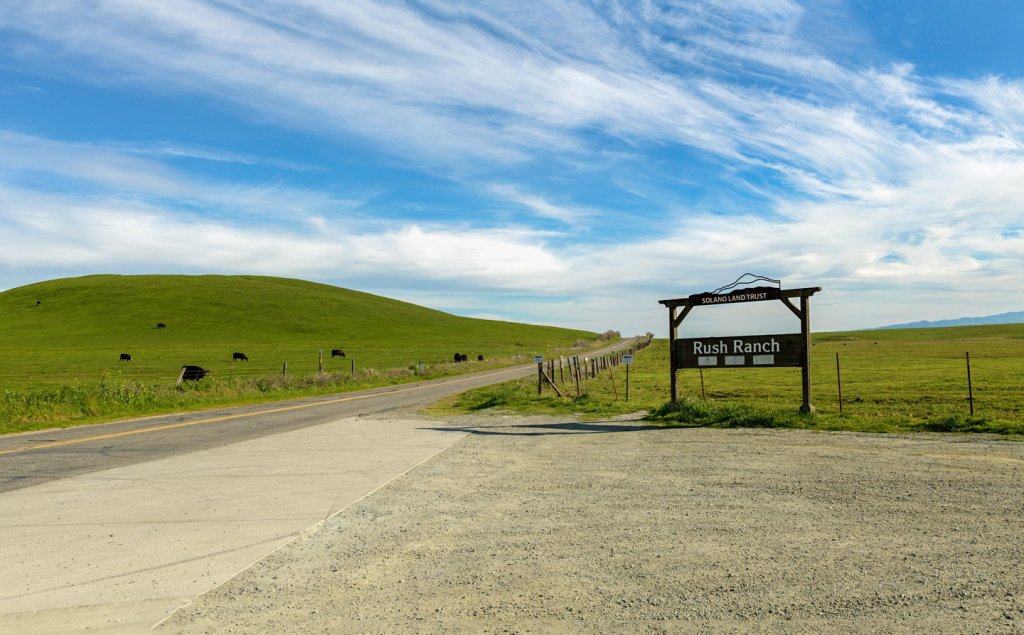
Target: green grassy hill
{"type": "Point", "coordinates": [80, 326]}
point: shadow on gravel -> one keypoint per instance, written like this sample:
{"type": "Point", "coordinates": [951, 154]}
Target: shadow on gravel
{"type": "Point", "coordinates": [542, 429]}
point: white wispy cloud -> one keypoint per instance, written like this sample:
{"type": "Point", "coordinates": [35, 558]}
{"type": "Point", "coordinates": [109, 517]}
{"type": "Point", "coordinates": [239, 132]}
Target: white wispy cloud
{"type": "Point", "coordinates": [113, 171]}
{"type": "Point", "coordinates": [539, 206]}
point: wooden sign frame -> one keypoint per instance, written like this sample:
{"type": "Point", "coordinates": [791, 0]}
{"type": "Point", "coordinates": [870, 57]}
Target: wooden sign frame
{"type": "Point", "coordinates": [679, 308]}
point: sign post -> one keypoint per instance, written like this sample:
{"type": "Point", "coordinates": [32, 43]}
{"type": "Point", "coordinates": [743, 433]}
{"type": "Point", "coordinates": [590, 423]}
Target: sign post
{"type": "Point", "coordinates": [744, 351]}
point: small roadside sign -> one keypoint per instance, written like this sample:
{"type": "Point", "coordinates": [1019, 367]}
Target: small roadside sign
{"type": "Point", "coordinates": [538, 359]}
{"type": "Point", "coordinates": [627, 359]}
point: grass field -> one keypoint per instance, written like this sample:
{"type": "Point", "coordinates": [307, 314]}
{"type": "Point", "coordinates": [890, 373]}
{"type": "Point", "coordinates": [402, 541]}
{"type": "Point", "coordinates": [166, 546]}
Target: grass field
{"type": "Point", "coordinates": [892, 380]}
{"type": "Point", "coordinates": [60, 343]}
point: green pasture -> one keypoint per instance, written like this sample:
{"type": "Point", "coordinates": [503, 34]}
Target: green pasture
{"type": "Point", "coordinates": [60, 343]}
{"type": "Point", "coordinates": [892, 380]}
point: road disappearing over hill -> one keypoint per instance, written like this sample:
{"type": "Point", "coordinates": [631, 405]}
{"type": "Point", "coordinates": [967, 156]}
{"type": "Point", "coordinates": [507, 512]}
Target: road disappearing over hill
{"type": "Point", "coordinates": [108, 528]}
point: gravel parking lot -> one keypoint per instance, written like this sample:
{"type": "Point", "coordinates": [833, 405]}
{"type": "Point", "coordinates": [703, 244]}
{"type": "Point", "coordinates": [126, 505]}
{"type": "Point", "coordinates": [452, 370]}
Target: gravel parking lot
{"type": "Point", "coordinates": [538, 526]}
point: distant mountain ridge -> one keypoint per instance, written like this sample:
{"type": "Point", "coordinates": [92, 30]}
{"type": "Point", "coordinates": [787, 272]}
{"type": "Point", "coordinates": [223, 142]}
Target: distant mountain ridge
{"type": "Point", "coordinates": [1014, 317]}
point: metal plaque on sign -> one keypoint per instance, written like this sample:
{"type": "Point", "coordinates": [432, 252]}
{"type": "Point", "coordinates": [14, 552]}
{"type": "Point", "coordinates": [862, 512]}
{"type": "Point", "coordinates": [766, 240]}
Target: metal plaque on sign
{"type": "Point", "coordinates": [743, 351]}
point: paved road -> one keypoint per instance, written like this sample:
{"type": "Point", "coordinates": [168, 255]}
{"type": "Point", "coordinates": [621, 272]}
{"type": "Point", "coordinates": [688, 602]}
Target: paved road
{"type": "Point", "coordinates": [37, 457]}
{"type": "Point", "coordinates": [109, 528]}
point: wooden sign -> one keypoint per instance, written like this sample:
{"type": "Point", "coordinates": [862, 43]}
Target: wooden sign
{"type": "Point", "coordinates": [745, 351]}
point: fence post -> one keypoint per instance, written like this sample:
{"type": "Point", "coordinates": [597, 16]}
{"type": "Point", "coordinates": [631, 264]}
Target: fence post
{"type": "Point", "coordinates": [839, 383]}
{"type": "Point", "coordinates": [576, 375]}
{"type": "Point", "coordinates": [970, 389]}
{"type": "Point", "coordinates": [320, 363]}
{"type": "Point", "coordinates": [284, 370]}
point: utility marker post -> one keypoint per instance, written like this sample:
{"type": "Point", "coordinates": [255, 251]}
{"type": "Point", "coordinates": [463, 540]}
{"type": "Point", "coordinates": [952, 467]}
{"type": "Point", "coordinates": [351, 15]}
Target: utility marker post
{"type": "Point", "coordinates": [539, 359]}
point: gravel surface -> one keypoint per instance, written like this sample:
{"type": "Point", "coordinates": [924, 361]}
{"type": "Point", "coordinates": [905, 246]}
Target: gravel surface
{"type": "Point", "coordinates": [536, 526]}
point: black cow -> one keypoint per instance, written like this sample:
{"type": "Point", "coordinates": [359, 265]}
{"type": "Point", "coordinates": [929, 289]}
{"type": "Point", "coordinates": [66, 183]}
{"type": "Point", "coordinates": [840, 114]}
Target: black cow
{"type": "Point", "coordinates": [193, 373]}
{"type": "Point", "coordinates": [461, 357]}
{"type": "Point", "coordinates": [479, 358]}
{"type": "Point", "coordinates": [125, 357]}
{"type": "Point", "coordinates": [239, 357]}
{"type": "Point", "coordinates": [337, 352]}
{"type": "Point", "coordinates": [161, 325]}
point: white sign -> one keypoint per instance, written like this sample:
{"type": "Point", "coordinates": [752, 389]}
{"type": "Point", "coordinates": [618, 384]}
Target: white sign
{"type": "Point", "coordinates": [627, 359]}
{"type": "Point", "coordinates": [538, 359]}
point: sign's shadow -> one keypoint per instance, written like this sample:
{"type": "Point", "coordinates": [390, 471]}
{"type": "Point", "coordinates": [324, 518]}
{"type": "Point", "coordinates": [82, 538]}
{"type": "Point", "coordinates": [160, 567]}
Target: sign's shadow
{"type": "Point", "coordinates": [546, 429]}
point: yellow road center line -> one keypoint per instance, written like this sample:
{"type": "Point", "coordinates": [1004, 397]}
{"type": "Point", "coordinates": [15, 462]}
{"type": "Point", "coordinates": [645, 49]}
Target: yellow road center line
{"type": "Point", "coordinates": [300, 406]}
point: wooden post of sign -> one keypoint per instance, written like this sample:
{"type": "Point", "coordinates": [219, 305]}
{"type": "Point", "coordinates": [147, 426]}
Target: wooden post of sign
{"type": "Point", "coordinates": [805, 331]}
{"type": "Point", "coordinates": [320, 364]}
{"type": "Point", "coordinates": [672, 337]}
{"type": "Point", "coordinates": [627, 381]}
{"type": "Point", "coordinates": [540, 377]}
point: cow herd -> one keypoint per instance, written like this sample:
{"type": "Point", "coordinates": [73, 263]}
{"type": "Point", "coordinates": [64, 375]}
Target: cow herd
{"type": "Point", "coordinates": [195, 373]}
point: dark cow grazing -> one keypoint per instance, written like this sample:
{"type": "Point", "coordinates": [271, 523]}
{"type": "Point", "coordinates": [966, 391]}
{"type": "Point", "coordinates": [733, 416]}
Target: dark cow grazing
{"type": "Point", "coordinates": [337, 352]}
{"type": "Point", "coordinates": [479, 358]}
{"type": "Point", "coordinates": [161, 325]}
{"type": "Point", "coordinates": [193, 373]}
{"type": "Point", "coordinates": [125, 357]}
{"type": "Point", "coordinates": [38, 302]}
{"type": "Point", "coordinates": [461, 357]}
{"type": "Point", "coordinates": [239, 357]}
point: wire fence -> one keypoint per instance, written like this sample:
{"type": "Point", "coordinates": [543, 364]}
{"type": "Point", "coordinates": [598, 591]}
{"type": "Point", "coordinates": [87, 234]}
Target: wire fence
{"type": "Point", "coordinates": [987, 384]}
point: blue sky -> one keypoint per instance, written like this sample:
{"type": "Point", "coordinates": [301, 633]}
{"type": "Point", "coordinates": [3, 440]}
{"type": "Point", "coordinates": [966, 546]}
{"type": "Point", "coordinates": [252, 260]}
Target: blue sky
{"type": "Point", "coordinates": [565, 163]}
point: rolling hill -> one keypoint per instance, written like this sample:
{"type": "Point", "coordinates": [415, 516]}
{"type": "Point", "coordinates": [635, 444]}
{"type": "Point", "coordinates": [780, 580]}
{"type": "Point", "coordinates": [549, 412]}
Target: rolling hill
{"type": "Point", "coordinates": [76, 328]}
{"type": "Point", "coordinates": [1015, 317]}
